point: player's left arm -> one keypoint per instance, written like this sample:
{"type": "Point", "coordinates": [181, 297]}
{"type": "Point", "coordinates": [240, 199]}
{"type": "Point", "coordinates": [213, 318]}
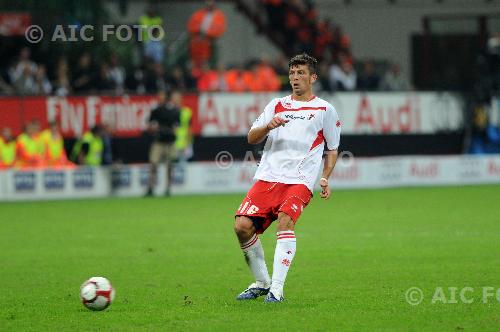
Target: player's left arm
{"type": "Point", "coordinates": [331, 132]}
{"type": "Point", "coordinates": [328, 166]}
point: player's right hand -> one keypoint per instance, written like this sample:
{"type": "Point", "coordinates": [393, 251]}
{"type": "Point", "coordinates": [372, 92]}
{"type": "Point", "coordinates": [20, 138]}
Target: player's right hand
{"type": "Point", "coordinates": [325, 189]}
{"type": "Point", "coordinates": [276, 122]}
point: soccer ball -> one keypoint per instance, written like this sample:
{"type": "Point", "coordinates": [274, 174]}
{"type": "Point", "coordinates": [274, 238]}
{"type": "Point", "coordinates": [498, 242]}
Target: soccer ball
{"type": "Point", "coordinates": [97, 293]}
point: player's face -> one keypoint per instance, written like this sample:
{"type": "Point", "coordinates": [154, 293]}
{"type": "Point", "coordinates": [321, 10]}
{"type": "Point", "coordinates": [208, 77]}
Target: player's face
{"type": "Point", "coordinates": [301, 79]}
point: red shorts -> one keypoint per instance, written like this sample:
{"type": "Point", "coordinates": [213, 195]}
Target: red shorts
{"type": "Point", "coordinates": [266, 199]}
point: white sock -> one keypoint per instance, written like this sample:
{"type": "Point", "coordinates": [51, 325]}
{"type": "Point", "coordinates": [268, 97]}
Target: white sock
{"type": "Point", "coordinates": [283, 256]}
{"type": "Point", "coordinates": [254, 256]}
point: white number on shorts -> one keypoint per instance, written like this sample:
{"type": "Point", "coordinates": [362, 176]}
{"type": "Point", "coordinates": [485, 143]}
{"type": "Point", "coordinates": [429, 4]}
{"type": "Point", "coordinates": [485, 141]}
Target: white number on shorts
{"type": "Point", "coordinates": [245, 209]}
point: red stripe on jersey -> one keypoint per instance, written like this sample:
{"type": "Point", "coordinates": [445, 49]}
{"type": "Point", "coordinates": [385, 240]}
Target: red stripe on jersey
{"type": "Point", "coordinates": [319, 139]}
{"type": "Point", "coordinates": [285, 237]}
{"type": "Point", "coordinates": [279, 108]}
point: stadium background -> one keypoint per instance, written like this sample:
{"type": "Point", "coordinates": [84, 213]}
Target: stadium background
{"type": "Point", "coordinates": [443, 102]}
{"type": "Point", "coordinates": [437, 125]}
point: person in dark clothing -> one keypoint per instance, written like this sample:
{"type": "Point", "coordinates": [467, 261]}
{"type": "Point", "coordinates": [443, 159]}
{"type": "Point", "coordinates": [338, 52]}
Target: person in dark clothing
{"type": "Point", "coordinates": [369, 79]}
{"type": "Point", "coordinates": [83, 75]}
{"type": "Point", "coordinates": [163, 121]}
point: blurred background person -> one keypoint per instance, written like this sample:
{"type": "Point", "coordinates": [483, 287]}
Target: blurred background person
{"type": "Point", "coordinates": [116, 74]}
{"type": "Point", "coordinates": [53, 146]}
{"type": "Point", "coordinates": [183, 135]}
{"type": "Point", "coordinates": [154, 49]}
{"type": "Point", "coordinates": [213, 80]}
{"type": "Point", "coordinates": [148, 21]}
{"type": "Point", "coordinates": [162, 124]}
{"type": "Point", "coordinates": [83, 74]}
{"type": "Point", "coordinates": [28, 147]}
{"type": "Point", "coordinates": [104, 84]}
{"type": "Point", "coordinates": [342, 76]}
{"type": "Point", "coordinates": [393, 80]}
{"type": "Point", "coordinates": [22, 74]}
{"type": "Point", "coordinates": [155, 79]}
{"type": "Point", "coordinates": [62, 85]}
{"type": "Point", "coordinates": [177, 79]}
{"type": "Point", "coordinates": [89, 148]}
{"type": "Point", "coordinates": [7, 148]}
{"type": "Point", "coordinates": [42, 85]}
{"type": "Point", "coordinates": [204, 26]}
{"type": "Point", "coordinates": [183, 139]}
{"type": "Point", "coordinates": [107, 144]}
{"type": "Point", "coordinates": [368, 79]}
{"type": "Point", "coordinates": [236, 81]}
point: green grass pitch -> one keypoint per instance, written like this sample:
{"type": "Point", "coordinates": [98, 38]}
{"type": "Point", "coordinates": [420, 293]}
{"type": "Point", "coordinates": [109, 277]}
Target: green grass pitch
{"type": "Point", "coordinates": [176, 265]}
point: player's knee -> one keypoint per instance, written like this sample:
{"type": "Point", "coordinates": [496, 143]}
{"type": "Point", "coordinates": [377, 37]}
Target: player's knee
{"type": "Point", "coordinates": [243, 227]}
{"type": "Point", "coordinates": [285, 223]}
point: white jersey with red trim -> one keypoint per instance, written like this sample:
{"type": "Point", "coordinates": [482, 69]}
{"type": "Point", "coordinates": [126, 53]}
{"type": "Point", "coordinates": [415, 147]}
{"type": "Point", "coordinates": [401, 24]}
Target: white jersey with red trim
{"type": "Point", "coordinates": [293, 153]}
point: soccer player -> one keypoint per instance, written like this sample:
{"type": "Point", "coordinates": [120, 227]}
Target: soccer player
{"type": "Point", "coordinates": [299, 129]}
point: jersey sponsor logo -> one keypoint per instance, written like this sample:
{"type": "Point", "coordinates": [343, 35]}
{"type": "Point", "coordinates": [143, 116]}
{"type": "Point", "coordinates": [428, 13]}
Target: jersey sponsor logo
{"type": "Point", "coordinates": [24, 181]}
{"type": "Point", "coordinates": [293, 117]}
{"type": "Point", "coordinates": [54, 180]}
{"type": "Point", "coordinates": [299, 117]}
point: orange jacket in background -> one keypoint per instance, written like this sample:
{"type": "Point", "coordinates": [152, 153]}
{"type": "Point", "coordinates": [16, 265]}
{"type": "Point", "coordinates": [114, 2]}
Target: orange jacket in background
{"type": "Point", "coordinates": [251, 81]}
{"type": "Point", "coordinates": [28, 151]}
{"type": "Point", "coordinates": [54, 153]}
{"type": "Point", "coordinates": [267, 75]}
{"type": "Point", "coordinates": [236, 81]}
{"type": "Point", "coordinates": [215, 28]}
{"type": "Point", "coordinates": [7, 153]}
{"type": "Point", "coordinates": [199, 49]}
{"type": "Point", "coordinates": [213, 80]}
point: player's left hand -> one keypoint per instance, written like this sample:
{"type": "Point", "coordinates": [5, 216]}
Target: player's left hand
{"type": "Point", "coordinates": [325, 189]}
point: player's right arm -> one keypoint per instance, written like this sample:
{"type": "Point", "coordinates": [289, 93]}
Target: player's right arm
{"type": "Point", "coordinates": [266, 122]}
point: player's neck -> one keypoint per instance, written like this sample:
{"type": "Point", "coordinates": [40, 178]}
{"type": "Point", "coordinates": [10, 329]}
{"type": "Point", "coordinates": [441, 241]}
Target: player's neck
{"type": "Point", "coordinates": [305, 97]}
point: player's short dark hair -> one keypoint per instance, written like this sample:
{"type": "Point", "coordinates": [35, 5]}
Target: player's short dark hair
{"type": "Point", "coordinates": [304, 59]}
